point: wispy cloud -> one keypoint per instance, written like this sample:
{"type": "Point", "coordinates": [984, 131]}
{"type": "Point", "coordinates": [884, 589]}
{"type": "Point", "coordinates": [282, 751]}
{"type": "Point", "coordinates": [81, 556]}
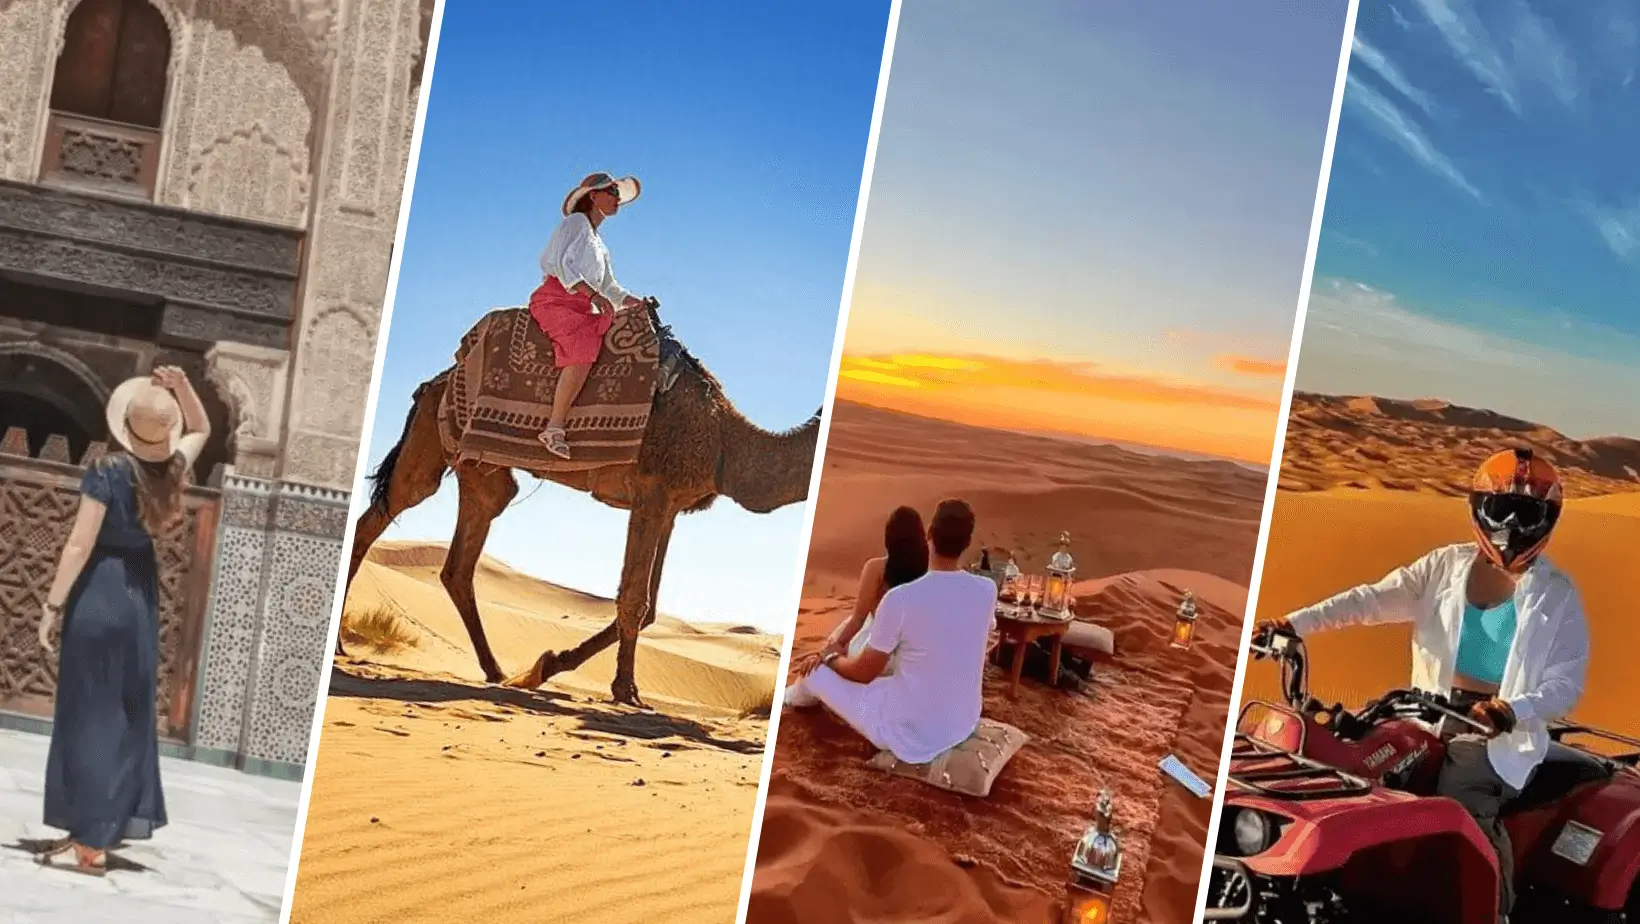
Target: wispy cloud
{"type": "Point", "coordinates": [1399, 18]}
{"type": "Point", "coordinates": [923, 372]}
{"type": "Point", "coordinates": [1523, 50]}
{"type": "Point", "coordinates": [1540, 55]}
{"type": "Point", "coordinates": [1381, 65]}
{"type": "Point", "coordinates": [1618, 226]}
{"type": "Point", "coordinates": [1360, 339]}
{"type": "Point", "coordinates": [1619, 30]}
{"type": "Point", "coordinates": [1353, 243]}
{"type": "Point", "coordinates": [1373, 324]}
{"type": "Point", "coordinates": [1470, 42]}
{"type": "Point", "coordinates": [1393, 124]}
{"type": "Point", "coordinates": [1253, 365]}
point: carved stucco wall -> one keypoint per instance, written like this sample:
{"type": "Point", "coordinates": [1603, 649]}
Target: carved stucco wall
{"type": "Point", "coordinates": [246, 83]}
{"type": "Point", "coordinates": [298, 113]}
{"type": "Point", "coordinates": [263, 94]}
{"type": "Point", "coordinates": [361, 176]}
{"type": "Point", "coordinates": [24, 33]}
{"type": "Point", "coordinates": [246, 78]}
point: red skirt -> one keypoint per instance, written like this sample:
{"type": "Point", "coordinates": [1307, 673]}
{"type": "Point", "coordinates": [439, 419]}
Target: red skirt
{"type": "Point", "coordinates": [566, 318]}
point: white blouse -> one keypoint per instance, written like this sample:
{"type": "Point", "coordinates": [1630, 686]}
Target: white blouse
{"type": "Point", "coordinates": [576, 253]}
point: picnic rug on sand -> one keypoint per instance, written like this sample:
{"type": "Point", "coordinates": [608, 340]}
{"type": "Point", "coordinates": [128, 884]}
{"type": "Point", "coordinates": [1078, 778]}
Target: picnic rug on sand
{"type": "Point", "coordinates": [500, 395]}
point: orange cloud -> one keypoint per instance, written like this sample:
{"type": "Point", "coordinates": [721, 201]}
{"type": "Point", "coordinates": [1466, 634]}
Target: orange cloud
{"type": "Point", "coordinates": [878, 378]}
{"type": "Point", "coordinates": [1252, 365]}
{"type": "Point", "coordinates": [1081, 399]}
{"type": "Point", "coordinates": [1073, 379]}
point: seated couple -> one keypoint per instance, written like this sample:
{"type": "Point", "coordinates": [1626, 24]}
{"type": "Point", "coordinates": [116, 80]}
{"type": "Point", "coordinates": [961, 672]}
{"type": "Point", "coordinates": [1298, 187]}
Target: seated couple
{"type": "Point", "coordinates": [905, 670]}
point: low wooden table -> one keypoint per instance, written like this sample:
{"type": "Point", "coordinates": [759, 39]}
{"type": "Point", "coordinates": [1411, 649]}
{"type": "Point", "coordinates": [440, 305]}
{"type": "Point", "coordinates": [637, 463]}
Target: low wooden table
{"type": "Point", "coordinates": [1021, 632]}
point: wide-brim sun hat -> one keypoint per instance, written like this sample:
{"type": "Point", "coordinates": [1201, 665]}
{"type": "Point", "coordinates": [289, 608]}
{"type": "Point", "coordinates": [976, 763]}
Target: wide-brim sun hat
{"type": "Point", "coordinates": [145, 419]}
{"type": "Point", "coordinates": [627, 188]}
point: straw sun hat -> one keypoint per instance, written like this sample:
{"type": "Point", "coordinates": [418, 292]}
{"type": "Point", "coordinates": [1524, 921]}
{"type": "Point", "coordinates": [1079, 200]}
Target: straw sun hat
{"type": "Point", "coordinates": [627, 188]}
{"type": "Point", "coordinates": [145, 419]}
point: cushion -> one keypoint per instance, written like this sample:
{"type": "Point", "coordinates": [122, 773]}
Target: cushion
{"type": "Point", "coordinates": [1092, 637]}
{"type": "Point", "coordinates": [969, 768]}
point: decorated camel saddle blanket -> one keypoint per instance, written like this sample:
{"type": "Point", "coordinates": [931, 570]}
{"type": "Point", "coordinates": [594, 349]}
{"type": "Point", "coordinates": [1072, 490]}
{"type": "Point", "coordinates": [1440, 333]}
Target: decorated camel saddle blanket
{"type": "Point", "coordinates": [500, 395]}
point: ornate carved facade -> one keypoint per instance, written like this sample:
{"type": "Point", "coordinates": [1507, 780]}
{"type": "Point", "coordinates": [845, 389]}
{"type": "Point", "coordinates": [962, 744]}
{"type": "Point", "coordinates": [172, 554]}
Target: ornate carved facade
{"type": "Point", "coordinates": [214, 183]}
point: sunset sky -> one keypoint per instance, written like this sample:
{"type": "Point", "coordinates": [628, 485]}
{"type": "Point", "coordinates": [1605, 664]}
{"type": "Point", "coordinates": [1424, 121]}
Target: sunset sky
{"type": "Point", "coordinates": [1068, 232]}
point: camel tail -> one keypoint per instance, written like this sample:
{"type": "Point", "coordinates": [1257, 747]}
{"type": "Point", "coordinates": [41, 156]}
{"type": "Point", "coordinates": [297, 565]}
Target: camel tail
{"type": "Point", "coordinates": [381, 480]}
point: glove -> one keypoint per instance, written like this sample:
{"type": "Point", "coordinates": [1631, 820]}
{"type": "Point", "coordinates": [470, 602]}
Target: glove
{"type": "Point", "coordinates": [1266, 632]}
{"type": "Point", "coordinates": [1494, 714]}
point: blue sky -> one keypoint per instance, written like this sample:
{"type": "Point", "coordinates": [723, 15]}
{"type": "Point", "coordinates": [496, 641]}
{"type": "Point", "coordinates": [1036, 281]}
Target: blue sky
{"type": "Point", "coordinates": [1481, 241]}
{"type": "Point", "coordinates": [1123, 189]}
{"type": "Point", "coordinates": [747, 124]}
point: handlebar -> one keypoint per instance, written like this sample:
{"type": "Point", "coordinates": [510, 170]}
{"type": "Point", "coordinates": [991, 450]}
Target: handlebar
{"type": "Point", "coordinates": [1289, 650]}
{"type": "Point", "coordinates": [1425, 702]}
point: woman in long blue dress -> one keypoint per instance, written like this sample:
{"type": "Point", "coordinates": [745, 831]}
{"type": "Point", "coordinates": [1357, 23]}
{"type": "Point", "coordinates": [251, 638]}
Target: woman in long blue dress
{"type": "Point", "coordinates": [102, 774]}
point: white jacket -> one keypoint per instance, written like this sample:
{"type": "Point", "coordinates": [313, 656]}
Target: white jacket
{"type": "Point", "coordinates": [1543, 678]}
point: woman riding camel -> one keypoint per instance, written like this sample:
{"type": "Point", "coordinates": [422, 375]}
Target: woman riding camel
{"type": "Point", "coordinates": [1495, 627]}
{"type": "Point", "coordinates": [578, 296]}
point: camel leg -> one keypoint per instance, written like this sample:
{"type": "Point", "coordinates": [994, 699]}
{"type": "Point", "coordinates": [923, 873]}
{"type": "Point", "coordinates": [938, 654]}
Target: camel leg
{"type": "Point", "coordinates": [634, 604]}
{"type": "Point", "coordinates": [555, 662]}
{"type": "Point", "coordinates": [484, 494]}
{"type": "Point", "coordinates": [655, 574]}
{"type": "Point", "coordinates": [413, 470]}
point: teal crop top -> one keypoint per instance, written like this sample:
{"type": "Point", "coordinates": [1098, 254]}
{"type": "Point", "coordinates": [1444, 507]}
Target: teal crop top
{"type": "Point", "coordinates": [1485, 640]}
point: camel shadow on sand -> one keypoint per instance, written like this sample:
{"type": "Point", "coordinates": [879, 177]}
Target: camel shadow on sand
{"type": "Point", "coordinates": [619, 721]}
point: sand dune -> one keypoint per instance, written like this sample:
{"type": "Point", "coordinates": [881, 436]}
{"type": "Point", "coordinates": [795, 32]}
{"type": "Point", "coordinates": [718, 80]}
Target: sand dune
{"type": "Point", "coordinates": [1434, 446]}
{"type": "Point", "coordinates": [914, 853]}
{"type": "Point", "coordinates": [438, 797]}
{"type": "Point", "coordinates": [1322, 542]}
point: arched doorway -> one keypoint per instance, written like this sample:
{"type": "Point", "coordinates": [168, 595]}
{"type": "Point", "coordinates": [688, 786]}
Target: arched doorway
{"type": "Point", "coordinates": [108, 98]}
{"type": "Point", "coordinates": [45, 392]}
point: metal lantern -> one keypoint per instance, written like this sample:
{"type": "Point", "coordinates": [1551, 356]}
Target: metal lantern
{"type": "Point", "coordinates": [1184, 628]}
{"type": "Point", "coordinates": [1096, 865]}
{"type": "Point", "coordinates": [1061, 572]}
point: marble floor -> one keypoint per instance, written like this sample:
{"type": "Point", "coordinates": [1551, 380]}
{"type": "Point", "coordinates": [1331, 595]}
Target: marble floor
{"type": "Point", "coordinates": [221, 860]}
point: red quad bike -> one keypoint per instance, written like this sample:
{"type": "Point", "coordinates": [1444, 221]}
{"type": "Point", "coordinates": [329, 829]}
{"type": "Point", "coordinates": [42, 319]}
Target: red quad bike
{"type": "Point", "coordinates": [1330, 816]}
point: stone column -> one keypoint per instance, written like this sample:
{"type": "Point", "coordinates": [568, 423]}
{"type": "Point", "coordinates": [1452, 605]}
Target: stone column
{"type": "Point", "coordinates": [303, 549]}
{"type": "Point", "coordinates": [267, 629]}
{"type": "Point", "coordinates": [232, 614]}
{"type": "Point", "coordinates": [298, 417]}
{"type": "Point", "coordinates": [252, 383]}
{"type": "Point", "coordinates": [363, 144]}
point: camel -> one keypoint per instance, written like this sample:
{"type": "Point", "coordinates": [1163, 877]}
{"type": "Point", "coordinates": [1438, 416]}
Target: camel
{"type": "Point", "coordinates": [696, 447]}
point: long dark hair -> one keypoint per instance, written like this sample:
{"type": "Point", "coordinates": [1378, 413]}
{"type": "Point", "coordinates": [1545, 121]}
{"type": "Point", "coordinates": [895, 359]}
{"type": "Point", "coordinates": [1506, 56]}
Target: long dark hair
{"type": "Point", "coordinates": [159, 492]}
{"type": "Point", "coordinates": [907, 545]}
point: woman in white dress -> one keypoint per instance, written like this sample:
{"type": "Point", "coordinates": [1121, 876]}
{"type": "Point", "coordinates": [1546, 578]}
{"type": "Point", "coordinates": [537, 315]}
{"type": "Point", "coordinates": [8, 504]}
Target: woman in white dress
{"type": "Point", "coordinates": [905, 543]}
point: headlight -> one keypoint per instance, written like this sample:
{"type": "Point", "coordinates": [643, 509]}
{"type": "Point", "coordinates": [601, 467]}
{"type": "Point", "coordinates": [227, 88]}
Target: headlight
{"type": "Point", "coordinates": [1251, 831]}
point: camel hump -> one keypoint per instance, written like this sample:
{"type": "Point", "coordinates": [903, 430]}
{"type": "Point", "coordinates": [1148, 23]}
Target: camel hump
{"type": "Point", "coordinates": [505, 317]}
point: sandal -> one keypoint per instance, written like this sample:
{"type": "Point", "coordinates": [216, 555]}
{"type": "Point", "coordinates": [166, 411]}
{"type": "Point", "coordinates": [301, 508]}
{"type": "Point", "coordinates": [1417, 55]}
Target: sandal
{"type": "Point", "coordinates": [96, 868]}
{"type": "Point", "coordinates": [553, 438]}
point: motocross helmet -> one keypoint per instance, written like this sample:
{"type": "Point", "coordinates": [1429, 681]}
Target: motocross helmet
{"type": "Point", "coordinates": [1514, 503]}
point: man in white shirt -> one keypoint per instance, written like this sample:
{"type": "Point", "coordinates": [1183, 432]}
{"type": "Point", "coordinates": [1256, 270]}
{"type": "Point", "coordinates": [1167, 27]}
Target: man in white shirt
{"type": "Point", "coordinates": [937, 628]}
